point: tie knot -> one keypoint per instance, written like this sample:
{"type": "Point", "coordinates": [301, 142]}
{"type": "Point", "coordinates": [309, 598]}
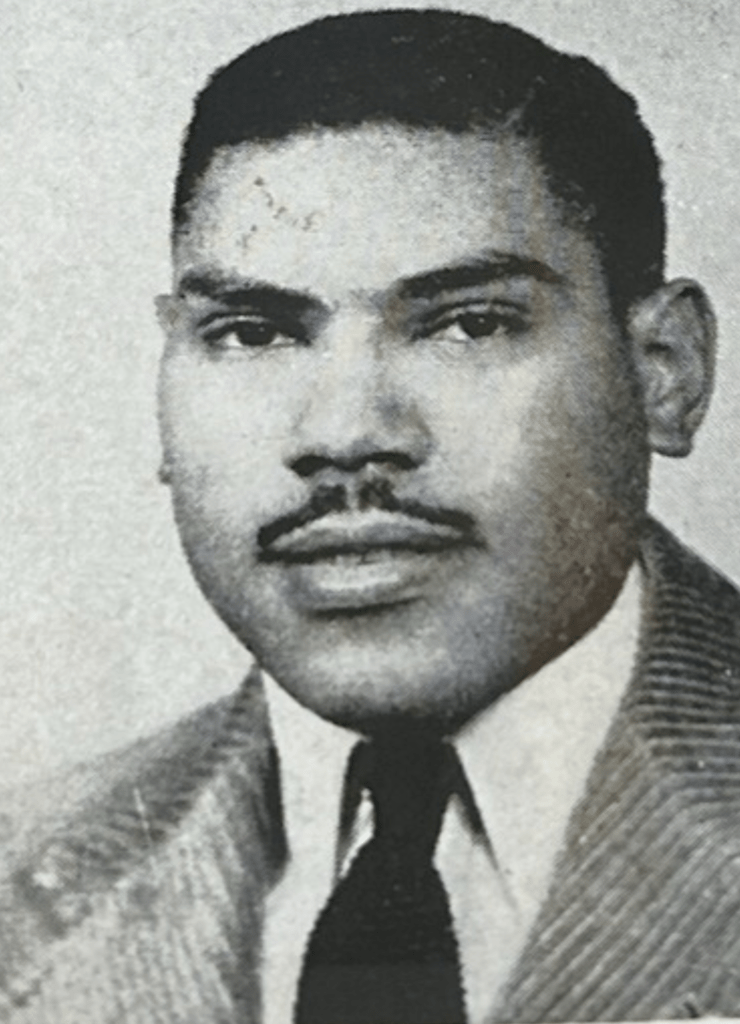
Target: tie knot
{"type": "Point", "coordinates": [409, 778]}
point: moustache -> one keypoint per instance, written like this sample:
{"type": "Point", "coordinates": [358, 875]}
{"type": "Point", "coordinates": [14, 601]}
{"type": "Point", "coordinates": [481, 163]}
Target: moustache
{"type": "Point", "coordinates": [326, 500]}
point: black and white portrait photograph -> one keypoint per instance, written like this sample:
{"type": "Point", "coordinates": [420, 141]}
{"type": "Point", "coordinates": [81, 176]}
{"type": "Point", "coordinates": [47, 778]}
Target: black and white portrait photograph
{"type": "Point", "coordinates": [370, 454]}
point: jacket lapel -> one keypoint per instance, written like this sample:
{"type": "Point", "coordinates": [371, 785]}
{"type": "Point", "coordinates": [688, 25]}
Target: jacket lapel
{"type": "Point", "coordinates": [645, 899]}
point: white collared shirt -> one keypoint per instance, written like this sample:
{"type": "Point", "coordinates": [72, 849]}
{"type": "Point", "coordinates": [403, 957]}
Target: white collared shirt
{"type": "Point", "coordinates": [526, 758]}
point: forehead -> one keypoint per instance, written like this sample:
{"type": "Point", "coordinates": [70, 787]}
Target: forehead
{"type": "Point", "coordinates": [359, 209]}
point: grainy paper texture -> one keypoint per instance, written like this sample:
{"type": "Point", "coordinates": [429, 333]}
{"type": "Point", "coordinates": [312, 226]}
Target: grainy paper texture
{"type": "Point", "coordinates": [103, 634]}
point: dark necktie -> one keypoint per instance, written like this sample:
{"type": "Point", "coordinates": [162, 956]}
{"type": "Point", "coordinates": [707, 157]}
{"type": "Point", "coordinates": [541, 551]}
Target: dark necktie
{"type": "Point", "coordinates": [383, 950]}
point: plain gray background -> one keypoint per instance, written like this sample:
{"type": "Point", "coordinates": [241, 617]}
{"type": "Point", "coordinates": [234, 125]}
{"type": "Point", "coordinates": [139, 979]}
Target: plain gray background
{"type": "Point", "coordinates": [103, 636]}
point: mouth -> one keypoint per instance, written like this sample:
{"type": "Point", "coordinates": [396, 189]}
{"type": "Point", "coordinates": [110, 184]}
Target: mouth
{"type": "Point", "coordinates": [352, 562]}
{"type": "Point", "coordinates": [363, 538]}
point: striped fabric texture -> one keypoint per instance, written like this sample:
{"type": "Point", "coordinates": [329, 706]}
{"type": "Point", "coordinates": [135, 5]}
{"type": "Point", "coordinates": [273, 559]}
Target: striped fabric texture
{"type": "Point", "coordinates": [131, 889]}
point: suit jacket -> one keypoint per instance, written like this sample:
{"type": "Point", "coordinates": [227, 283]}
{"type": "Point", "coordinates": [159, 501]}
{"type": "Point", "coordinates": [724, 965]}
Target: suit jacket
{"type": "Point", "coordinates": [132, 888]}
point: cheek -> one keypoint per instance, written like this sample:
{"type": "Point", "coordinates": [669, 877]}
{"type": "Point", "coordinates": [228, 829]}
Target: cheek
{"type": "Point", "coordinates": [601, 425]}
{"type": "Point", "coordinates": [590, 479]}
{"type": "Point", "coordinates": [223, 437]}
{"type": "Point", "coordinates": [549, 439]}
{"type": "Point", "coordinates": [489, 426]}
{"type": "Point", "coordinates": [219, 422]}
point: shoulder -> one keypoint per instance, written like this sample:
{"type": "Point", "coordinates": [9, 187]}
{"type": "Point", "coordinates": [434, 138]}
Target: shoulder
{"type": "Point", "coordinates": [77, 833]}
{"type": "Point", "coordinates": [685, 699]}
{"type": "Point", "coordinates": [160, 761]}
{"type": "Point", "coordinates": [670, 562]}
{"type": "Point", "coordinates": [90, 859]}
{"type": "Point", "coordinates": [687, 601]}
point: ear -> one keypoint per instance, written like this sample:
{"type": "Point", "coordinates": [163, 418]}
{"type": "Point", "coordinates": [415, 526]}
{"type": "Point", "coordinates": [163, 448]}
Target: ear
{"type": "Point", "coordinates": [673, 333]}
{"type": "Point", "coordinates": [166, 310]}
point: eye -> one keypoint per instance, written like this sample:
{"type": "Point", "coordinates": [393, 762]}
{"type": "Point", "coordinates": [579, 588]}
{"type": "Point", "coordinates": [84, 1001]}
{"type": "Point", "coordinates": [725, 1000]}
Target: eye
{"type": "Point", "coordinates": [473, 324]}
{"type": "Point", "coordinates": [246, 332]}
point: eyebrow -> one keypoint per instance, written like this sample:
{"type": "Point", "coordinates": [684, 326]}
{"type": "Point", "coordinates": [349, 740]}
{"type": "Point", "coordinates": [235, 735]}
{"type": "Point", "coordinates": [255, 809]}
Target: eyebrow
{"type": "Point", "coordinates": [236, 292]}
{"type": "Point", "coordinates": [483, 270]}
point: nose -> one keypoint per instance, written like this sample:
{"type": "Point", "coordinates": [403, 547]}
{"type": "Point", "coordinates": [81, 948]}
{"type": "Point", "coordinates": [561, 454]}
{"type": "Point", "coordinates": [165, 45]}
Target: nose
{"type": "Point", "coordinates": [359, 407]}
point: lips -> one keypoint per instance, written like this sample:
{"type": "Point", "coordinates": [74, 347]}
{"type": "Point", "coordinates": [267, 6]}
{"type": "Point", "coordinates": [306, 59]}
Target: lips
{"type": "Point", "coordinates": [365, 534]}
{"type": "Point", "coordinates": [350, 562]}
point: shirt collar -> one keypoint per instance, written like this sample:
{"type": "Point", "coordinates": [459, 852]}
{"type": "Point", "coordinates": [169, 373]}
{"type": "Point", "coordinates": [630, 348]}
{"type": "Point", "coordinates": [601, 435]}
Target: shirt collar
{"type": "Point", "coordinates": [526, 757]}
{"type": "Point", "coordinates": [313, 755]}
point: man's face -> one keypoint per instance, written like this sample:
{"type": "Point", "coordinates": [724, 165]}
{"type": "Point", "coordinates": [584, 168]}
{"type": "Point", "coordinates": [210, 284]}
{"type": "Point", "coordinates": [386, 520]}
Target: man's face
{"type": "Point", "coordinates": [406, 448]}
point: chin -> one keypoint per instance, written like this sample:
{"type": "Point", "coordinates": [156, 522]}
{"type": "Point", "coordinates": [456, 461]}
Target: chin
{"type": "Point", "coordinates": [370, 698]}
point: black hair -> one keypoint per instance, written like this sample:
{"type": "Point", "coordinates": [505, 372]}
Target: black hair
{"type": "Point", "coordinates": [435, 69]}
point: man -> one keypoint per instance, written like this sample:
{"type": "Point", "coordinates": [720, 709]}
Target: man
{"type": "Point", "coordinates": [420, 350]}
